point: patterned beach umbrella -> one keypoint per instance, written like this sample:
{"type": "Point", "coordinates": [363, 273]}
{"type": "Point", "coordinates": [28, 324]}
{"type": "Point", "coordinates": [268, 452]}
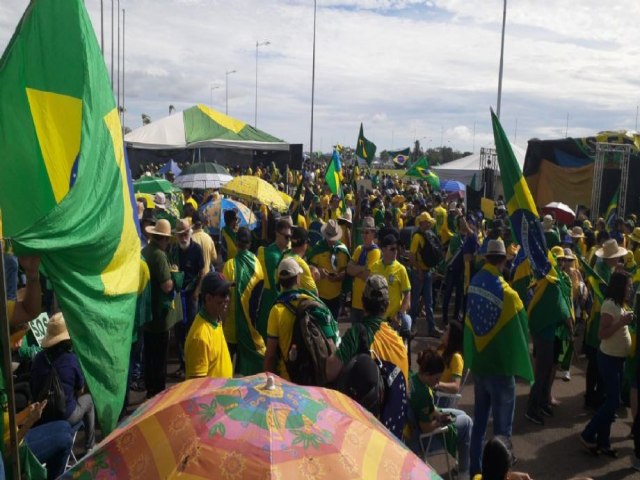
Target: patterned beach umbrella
{"type": "Point", "coordinates": [247, 428]}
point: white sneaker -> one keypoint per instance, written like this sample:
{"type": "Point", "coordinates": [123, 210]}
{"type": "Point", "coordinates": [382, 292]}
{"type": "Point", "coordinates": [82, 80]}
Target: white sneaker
{"type": "Point", "coordinates": [566, 376]}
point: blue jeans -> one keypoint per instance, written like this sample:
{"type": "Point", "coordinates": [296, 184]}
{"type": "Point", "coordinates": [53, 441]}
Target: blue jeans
{"type": "Point", "coordinates": [11, 275]}
{"type": "Point", "coordinates": [496, 394]}
{"type": "Point", "coordinates": [598, 430]}
{"type": "Point", "coordinates": [51, 444]}
{"type": "Point", "coordinates": [421, 288]}
{"type": "Point", "coordinates": [464, 427]}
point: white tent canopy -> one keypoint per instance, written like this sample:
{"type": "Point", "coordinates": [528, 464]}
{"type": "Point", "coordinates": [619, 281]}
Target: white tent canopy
{"type": "Point", "coordinates": [463, 169]}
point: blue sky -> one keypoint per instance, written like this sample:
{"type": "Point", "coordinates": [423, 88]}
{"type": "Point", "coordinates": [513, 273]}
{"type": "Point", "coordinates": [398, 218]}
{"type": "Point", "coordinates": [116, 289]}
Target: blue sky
{"type": "Point", "coordinates": [407, 69]}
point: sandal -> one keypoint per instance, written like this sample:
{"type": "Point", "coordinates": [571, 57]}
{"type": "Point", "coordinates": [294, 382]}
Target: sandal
{"type": "Point", "coordinates": [592, 448]}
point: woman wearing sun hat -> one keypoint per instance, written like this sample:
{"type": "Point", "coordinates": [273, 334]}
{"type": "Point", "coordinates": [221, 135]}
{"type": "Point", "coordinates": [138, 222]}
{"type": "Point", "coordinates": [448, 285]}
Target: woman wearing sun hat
{"type": "Point", "coordinates": [58, 353]}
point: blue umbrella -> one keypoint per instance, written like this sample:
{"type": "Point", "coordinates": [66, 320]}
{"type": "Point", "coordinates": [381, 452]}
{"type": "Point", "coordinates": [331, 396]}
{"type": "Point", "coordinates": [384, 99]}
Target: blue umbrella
{"type": "Point", "coordinates": [170, 167]}
{"type": "Point", "coordinates": [452, 186]}
{"type": "Point", "coordinates": [212, 213]}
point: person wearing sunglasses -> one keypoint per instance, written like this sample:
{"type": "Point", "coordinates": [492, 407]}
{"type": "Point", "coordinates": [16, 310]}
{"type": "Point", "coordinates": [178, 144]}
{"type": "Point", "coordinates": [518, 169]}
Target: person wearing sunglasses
{"type": "Point", "coordinates": [270, 257]}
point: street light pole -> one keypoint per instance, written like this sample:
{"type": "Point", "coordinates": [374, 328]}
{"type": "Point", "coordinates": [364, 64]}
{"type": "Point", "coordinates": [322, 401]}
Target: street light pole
{"type": "Point", "coordinates": [258, 44]}
{"type": "Point", "coordinates": [313, 79]}
{"type": "Point", "coordinates": [504, 21]}
{"type": "Point", "coordinates": [226, 103]}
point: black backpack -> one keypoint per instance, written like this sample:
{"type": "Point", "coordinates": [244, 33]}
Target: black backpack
{"type": "Point", "coordinates": [306, 359]}
{"type": "Point", "coordinates": [432, 252]}
{"type": "Point", "coordinates": [377, 385]}
{"type": "Point", "coordinates": [53, 393]}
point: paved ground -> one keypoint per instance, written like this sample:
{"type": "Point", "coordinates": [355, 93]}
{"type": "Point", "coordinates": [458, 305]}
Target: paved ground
{"type": "Point", "coordinates": [550, 452]}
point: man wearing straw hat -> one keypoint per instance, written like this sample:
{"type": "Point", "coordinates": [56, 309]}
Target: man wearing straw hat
{"type": "Point", "coordinates": [166, 308]}
{"type": "Point", "coordinates": [330, 257]}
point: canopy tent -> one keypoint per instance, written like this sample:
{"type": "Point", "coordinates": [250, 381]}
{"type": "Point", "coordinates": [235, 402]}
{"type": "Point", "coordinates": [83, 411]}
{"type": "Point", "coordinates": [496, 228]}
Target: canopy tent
{"type": "Point", "coordinates": [200, 127]}
{"type": "Point", "coordinates": [562, 170]}
{"type": "Point", "coordinates": [463, 169]}
{"type": "Point", "coordinates": [170, 167]}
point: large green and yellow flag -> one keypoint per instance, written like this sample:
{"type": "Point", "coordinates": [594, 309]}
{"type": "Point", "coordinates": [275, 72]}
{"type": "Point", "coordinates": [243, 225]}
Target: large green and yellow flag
{"type": "Point", "coordinates": [332, 175]}
{"type": "Point", "coordinates": [496, 338]}
{"type": "Point", "coordinates": [523, 214]}
{"type": "Point", "coordinates": [366, 149]}
{"type": "Point", "coordinates": [65, 190]}
{"type": "Point", "coordinates": [420, 169]}
{"type": "Point", "coordinates": [612, 210]}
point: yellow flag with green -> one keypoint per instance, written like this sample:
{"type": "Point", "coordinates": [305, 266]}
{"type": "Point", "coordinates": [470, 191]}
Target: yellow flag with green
{"type": "Point", "coordinates": [65, 189]}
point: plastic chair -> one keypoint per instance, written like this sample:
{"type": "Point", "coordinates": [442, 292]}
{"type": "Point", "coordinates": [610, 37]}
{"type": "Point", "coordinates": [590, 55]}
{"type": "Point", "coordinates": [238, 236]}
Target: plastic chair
{"type": "Point", "coordinates": [453, 397]}
{"type": "Point", "coordinates": [427, 451]}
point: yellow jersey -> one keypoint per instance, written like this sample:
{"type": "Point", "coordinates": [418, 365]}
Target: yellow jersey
{"type": "Point", "coordinates": [205, 351]}
{"type": "Point", "coordinates": [399, 285]}
{"type": "Point", "coordinates": [372, 256]}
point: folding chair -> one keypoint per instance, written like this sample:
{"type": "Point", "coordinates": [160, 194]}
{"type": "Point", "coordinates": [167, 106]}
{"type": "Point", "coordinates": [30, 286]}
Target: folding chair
{"type": "Point", "coordinates": [453, 397]}
{"type": "Point", "coordinates": [72, 460]}
{"type": "Point", "coordinates": [427, 451]}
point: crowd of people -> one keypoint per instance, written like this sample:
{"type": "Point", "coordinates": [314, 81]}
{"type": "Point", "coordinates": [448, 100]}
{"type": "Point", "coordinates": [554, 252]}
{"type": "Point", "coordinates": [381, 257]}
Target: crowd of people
{"type": "Point", "coordinates": [384, 257]}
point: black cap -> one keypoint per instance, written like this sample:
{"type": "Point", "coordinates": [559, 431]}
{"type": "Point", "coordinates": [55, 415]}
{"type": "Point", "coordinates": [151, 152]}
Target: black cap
{"type": "Point", "coordinates": [243, 236]}
{"type": "Point", "coordinates": [299, 236]}
{"type": "Point", "coordinates": [215, 282]}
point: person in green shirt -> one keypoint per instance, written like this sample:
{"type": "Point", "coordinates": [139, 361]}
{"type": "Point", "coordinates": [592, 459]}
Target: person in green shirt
{"type": "Point", "coordinates": [425, 417]}
{"type": "Point", "coordinates": [270, 258]}
{"type": "Point", "coordinates": [166, 307]}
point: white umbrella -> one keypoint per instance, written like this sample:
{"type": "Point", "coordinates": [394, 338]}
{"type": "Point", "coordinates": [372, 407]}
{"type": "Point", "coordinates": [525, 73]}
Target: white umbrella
{"type": "Point", "coordinates": [203, 181]}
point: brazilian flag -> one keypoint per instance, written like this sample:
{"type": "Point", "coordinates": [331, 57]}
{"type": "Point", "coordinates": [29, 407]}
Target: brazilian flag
{"type": "Point", "coordinates": [65, 190]}
{"type": "Point", "coordinates": [400, 157]}
{"type": "Point", "coordinates": [520, 205]}
{"type": "Point", "coordinates": [420, 169]}
{"type": "Point", "coordinates": [612, 210]}
{"type": "Point", "coordinates": [496, 338]}
{"type": "Point", "coordinates": [332, 175]}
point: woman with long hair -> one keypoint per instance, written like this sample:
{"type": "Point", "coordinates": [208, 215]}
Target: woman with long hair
{"type": "Point", "coordinates": [425, 417]}
{"type": "Point", "coordinates": [615, 344]}
{"type": "Point", "coordinates": [451, 351]}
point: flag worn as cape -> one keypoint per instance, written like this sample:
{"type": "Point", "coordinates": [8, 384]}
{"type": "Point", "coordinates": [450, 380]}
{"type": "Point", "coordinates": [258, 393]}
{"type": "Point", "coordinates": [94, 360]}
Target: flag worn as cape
{"type": "Point", "coordinates": [248, 278]}
{"type": "Point", "coordinates": [65, 189]}
{"type": "Point", "coordinates": [496, 338]}
{"type": "Point", "coordinates": [400, 157]}
{"type": "Point", "coordinates": [366, 149]}
{"type": "Point", "coordinates": [520, 205]}
{"type": "Point", "coordinates": [551, 304]}
{"type": "Point", "coordinates": [420, 169]}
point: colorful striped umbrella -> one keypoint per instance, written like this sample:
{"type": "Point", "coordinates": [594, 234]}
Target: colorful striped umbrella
{"type": "Point", "coordinates": [250, 428]}
{"type": "Point", "coordinates": [213, 217]}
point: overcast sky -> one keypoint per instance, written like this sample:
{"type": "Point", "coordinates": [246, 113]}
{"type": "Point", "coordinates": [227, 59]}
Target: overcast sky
{"type": "Point", "coordinates": [407, 69]}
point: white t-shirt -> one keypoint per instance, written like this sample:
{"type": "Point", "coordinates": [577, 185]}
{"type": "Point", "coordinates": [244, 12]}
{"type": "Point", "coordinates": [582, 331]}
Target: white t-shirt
{"type": "Point", "coordinates": [618, 344]}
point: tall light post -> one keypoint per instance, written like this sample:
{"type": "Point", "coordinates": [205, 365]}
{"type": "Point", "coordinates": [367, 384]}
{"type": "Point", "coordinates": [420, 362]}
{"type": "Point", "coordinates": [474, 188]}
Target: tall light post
{"type": "Point", "coordinates": [226, 103]}
{"type": "Point", "coordinates": [212, 89]}
{"type": "Point", "coordinates": [313, 80]}
{"type": "Point", "coordinates": [258, 44]}
{"type": "Point", "coordinates": [504, 21]}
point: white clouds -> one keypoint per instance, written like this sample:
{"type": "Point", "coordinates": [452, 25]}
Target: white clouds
{"type": "Point", "coordinates": [406, 68]}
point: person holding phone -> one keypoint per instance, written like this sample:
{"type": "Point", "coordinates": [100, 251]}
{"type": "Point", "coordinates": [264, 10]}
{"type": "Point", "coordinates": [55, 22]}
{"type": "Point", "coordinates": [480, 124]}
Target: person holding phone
{"type": "Point", "coordinates": [425, 417]}
{"type": "Point", "coordinates": [615, 344]}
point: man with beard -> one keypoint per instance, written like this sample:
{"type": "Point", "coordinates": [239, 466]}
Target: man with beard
{"type": "Point", "coordinates": [187, 256]}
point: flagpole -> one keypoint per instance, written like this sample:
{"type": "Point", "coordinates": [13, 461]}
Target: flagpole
{"type": "Point", "coordinates": [6, 367]}
{"type": "Point", "coordinates": [118, 80]}
{"type": "Point", "coordinates": [111, 44]}
{"type": "Point", "coordinates": [313, 79]}
{"type": "Point", "coordinates": [123, 24]}
{"type": "Point", "coordinates": [504, 20]}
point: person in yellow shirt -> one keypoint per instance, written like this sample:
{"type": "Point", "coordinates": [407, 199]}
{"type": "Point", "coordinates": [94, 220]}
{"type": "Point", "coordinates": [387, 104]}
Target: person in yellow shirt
{"type": "Point", "coordinates": [299, 244]}
{"type": "Point", "coordinates": [360, 266]}
{"type": "Point", "coordinates": [282, 318]}
{"type": "Point", "coordinates": [188, 198]}
{"type": "Point", "coordinates": [228, 234]}
{"type": "Point", "coordinates": [206, 352]}
{"type": "Point", "coordinates": [330, 257]}
{"type": "Point", "coordinates": [399, 286]}
{"type": "Point", "coordinates": [205, 241]}
{"type": "Point", "coordinates": [450, 349]}
{"type": "Point", "coordinates": [441, 220]}
{"type": "Point", "coordinates": [421, 274]}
